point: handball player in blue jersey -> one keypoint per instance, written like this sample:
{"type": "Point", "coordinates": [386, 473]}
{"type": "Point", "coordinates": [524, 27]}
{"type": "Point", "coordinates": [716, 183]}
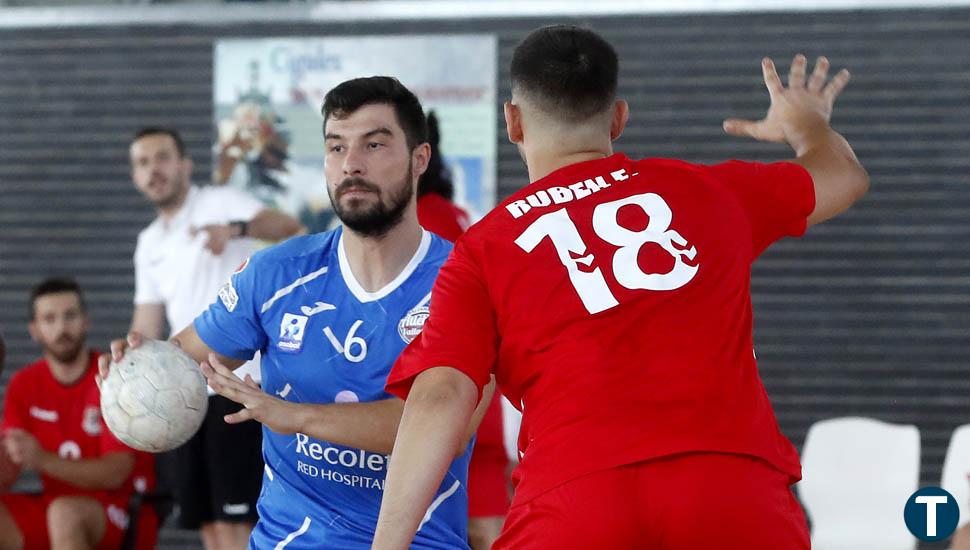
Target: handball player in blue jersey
{"type": "Point", "coordinates": [330, 313]}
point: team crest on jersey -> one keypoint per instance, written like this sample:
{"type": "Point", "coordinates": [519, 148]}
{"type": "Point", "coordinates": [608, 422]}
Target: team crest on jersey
{"type": "Point", "coordinates": [228, 296]}
{"type": "Point", "coordinates": [412, 323]}
{"type": "Point", "coordinates": [292, 329]}
{"type": "Point", "coordinates": [91, 423]}
{"type": "Point", "coordinates": [241, 267]}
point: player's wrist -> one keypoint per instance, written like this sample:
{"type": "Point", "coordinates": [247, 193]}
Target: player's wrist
{"type": "Point", "coordinates": [238, 229]}
{"type": "Point", "coordinates": [810, 139]}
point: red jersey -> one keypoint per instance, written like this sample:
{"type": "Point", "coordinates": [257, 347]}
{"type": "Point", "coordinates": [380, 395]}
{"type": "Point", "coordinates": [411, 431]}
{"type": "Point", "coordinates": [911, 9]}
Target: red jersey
{"type": "Point", "coordinates": [442, 217]}
{"type": "Point", "coordinates": [611, 300]}
{"type": "Point", "coordinates": [66, 420]}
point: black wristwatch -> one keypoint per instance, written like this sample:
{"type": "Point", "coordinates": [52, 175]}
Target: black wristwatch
{"type": "Point", "coordinates": [242, 226]}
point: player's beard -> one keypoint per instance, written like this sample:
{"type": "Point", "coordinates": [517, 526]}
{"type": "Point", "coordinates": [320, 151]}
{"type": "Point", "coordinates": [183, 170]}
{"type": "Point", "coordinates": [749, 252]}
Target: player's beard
{"type": "Point", "coordinates": [65, 348]}
{"type": "Point", "coordinates": [380, 217]}
{"type": "Point", "coordinates": [176, 193]}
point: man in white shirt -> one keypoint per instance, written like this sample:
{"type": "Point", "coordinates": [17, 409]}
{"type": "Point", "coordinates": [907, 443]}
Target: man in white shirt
{"type": "Point", "coordinates": [183, 258]}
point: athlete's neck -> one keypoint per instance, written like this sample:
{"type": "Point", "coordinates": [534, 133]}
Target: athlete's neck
{"type": "Point", "coordinates": [170, 208]}
{"type": "Point", "coordinates": [376, 261]}
{"type": "Point", "coordinates": [541, 165]}
{"type": "Point", "coordinates": [69, 373]}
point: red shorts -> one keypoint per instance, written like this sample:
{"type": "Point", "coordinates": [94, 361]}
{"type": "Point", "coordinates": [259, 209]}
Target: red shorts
{"type": "Point", "coordinates": [682, 502]}
{"type": "Point", "coordinates": [29, 512]}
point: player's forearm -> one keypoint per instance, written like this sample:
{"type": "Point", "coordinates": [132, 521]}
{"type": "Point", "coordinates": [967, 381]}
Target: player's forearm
{"type": "Point", "coordinates": [106, 473]}
{"type": "Point", "coordinates": [840, 180]}
{"type": "Point", "coordinates": [148, 320]}
{"type": "Point", "coordinates": [435, 418]}
{"type": "Point", "coordinates": [272, 225]}
{"type": "Point", "coordinates": [370, 426]}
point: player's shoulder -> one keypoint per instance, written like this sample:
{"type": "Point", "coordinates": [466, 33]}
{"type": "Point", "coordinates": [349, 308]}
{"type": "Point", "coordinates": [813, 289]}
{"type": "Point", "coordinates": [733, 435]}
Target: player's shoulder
{"type": "Point", "coordinates": [29, 374]}
{"type": "Point", "coordinates": [210, 193]}
{"type": "Point", "coordinates": [439, 249]}
{"type": "Point", "coordinates": [296, 254]}
{"type": "Point", "coordinates": [149, 235]}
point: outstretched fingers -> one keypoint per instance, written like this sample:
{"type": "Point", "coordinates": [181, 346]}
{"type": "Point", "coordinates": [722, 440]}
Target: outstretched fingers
{"type": "Point", "coordinates": [836, 86]}
{"type": "Point", "coordinates": [239, 417]}
{"type": "Point", "coordinates": [796, 74]}
{"type": "Point", "coordinates": [819, 75]}
{"type": "Point", "coordinates": [772, 81]}
{"type": "Point", "coordinates": [743, 128]}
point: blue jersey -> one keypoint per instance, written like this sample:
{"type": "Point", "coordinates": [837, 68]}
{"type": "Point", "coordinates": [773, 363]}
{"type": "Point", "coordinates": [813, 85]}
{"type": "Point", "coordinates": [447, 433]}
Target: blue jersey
{"type": "Point", "coordinates": [324, 339]}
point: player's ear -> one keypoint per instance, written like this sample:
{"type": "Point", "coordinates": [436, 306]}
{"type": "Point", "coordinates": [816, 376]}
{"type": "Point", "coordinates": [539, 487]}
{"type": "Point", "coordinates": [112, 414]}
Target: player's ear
{"type": "Point", "coordinates": [621, 114]}
{"type": "Point", "coordinates": [420, 158]}
{"type": "Point", "coordinates": [513, 122]}
{"type": "Point", "coordinates": [187, 167]}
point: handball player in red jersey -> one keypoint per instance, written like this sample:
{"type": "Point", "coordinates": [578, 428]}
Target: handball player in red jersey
{"type": "Point", "coordinates": [52, 424]}
{"type": "Point", "coordinates": [610, 298]}
{"type": "Point", "coordinates": [488, 498]}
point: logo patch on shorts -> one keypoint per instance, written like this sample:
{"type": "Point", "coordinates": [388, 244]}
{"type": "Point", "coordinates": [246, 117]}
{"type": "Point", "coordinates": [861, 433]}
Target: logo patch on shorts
{"type": "Point", "coordinates": [412, 323]}
{"type": "Point", "coordinates": [91, 424]}
{"type": "Point", "coordinates": [228, 296]}
{"type": "Point", "coordinates": [292, 328]}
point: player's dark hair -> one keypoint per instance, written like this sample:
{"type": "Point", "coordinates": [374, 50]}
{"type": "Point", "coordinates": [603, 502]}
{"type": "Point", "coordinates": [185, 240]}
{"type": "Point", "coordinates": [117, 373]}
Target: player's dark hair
{"type": "Point", "coordinates": [55, 285]}
{"type": "Point", "coordinates": [566, 71]}
{"type": "Point", "coordinates": [161, 130]}
{"type": "Point", "coordinates": [437, 178]}
{"type": "Point", "coordinates": [351, 95]}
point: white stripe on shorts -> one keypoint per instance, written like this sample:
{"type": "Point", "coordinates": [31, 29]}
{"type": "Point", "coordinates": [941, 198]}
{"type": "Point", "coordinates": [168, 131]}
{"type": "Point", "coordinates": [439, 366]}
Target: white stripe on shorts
{"type": "Point", "coordinates": [289, 538]}
{"type": "Point", "coordinates": [437, 502]}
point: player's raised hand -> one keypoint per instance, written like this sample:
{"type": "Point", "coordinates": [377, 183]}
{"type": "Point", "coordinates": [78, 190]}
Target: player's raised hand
{"type": "Point", "coordinates": [118, 347]}
{"type": "Point", "coordinates": [797, 111]}
{"type": "Point", "coordinates": [276, 414]}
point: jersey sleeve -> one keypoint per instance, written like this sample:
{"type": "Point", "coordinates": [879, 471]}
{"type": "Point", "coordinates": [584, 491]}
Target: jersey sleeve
{"type": "Point", "coordinates": [146, 291]}
{"type": "Point", "coordinates": [777, 198]}
{"type": "Point", "coordinates": [460, 332]}
{"type": "Point", "coordinates": [239, 204]}
{"type": "Point", "coordinates": [231, 324]}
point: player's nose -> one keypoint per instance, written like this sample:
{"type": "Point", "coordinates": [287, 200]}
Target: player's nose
{"type": "Point", "coordinates": [354, 163]}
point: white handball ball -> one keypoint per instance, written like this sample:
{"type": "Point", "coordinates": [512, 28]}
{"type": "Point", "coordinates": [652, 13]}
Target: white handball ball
{"type": "Point", "coordinates": [155, 399]}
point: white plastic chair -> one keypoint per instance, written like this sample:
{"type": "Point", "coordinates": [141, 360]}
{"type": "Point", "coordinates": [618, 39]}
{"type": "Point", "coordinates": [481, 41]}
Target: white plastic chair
{"type": "Point", "coordinates": [956, 467]}
{"type": "Point", "coordinates": [857, 475]}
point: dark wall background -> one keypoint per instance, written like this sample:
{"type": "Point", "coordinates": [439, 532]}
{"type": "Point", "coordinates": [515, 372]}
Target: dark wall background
{"type": "Point", "coordinates": [867, 315]}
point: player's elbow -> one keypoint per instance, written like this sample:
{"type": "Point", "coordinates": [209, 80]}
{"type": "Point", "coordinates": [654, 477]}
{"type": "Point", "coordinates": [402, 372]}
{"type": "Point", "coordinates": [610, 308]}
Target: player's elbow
{"type": "Point", "coordinates": [857, 184]}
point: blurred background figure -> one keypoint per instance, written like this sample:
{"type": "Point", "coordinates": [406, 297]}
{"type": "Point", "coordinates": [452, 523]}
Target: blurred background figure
{"type": "Point", "coordinates": [183, 259]}
{"type": "Point", "coordinates": [488, 496]}
{"type": "Point", "coordinates": [52, 425]}
{"type": "Point", "coordinates": [436, 211]}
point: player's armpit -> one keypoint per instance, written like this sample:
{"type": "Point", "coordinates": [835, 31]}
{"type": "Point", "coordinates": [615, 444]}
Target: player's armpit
{"type": "Point", "coordinates": [190, 341]}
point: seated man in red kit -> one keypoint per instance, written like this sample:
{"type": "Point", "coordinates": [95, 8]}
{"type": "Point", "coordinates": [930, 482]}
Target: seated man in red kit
{"type": "Point", "coordinates": [52, 425]}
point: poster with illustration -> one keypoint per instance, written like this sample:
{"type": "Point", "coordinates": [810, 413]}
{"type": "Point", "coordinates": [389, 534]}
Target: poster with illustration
{"type": "Point", "coordinates": [268, 93]}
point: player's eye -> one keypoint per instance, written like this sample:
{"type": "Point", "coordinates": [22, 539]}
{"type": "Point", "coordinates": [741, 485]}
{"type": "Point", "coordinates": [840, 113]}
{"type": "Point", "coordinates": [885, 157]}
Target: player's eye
{"type": "Point", "coordinates": [375, 145]}
{"type": "Point", "coordinates": [335, 148]}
